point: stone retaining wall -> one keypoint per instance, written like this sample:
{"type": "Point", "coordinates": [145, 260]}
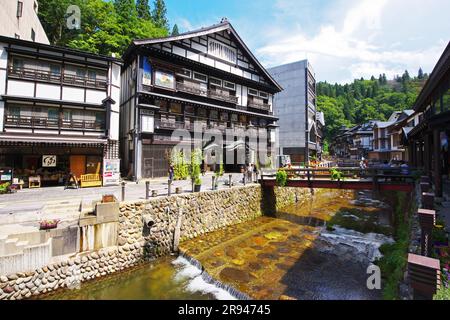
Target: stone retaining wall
{"type": "Point", "coordinates": [200, 213]}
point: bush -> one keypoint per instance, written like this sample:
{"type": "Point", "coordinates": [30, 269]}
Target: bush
{"type": "Point", "coordinates": [394, 260]}
{"type": "Point", "coordinates": [336, 175]}
{"type": "Point", "coordinates": [281, 178]}
{"type": "Point", "coordinates": [442, 294]}
{"type": "Point", "coordinates": [4, 187]}
{"type": "Point", "coordinates": [180, 165]}
{"type": "Point", "coordinates": [195, 170]}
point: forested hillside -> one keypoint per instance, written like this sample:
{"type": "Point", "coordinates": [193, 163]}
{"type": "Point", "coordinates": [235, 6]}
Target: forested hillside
{"type": "Point", "coordinates": [106, 26]}
{"type": "Point", "coordinates": [364, 100]}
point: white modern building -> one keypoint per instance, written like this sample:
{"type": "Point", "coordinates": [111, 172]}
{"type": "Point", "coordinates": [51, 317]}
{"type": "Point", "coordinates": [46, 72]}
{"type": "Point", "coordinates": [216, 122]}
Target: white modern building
{"type": "Point", "coordinates": [19, 19]}
{"type": "Point", "coordinates": [59, 110]}
{"type": "Point", "coordinates": [295, 107]}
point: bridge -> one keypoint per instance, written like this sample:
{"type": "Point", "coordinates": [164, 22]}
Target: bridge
{"type": "Point", "coordinates": [376, 179]}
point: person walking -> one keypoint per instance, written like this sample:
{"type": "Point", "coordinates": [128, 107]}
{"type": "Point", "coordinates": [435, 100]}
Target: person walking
{"type": "Point", "coordinates": [171, 173]}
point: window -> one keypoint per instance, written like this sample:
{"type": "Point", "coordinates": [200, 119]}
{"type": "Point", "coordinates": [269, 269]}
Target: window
{"type": "Point", "coordinates": [215, 82]}
{"type": "Point", "coordinates": [264, 95]}
{"type": "Point", "coordinates": [99, 117]}
{"type": "Point", "coordinates": [92, 74]}
{"type": "Point", "coordinates": [81, 73]}
{"type": "Point", "coordinates": [14, 111]}
{"type": "Point", "coordinates": [17, 63]}
{"type": "Point", "coordinates": [234, 117]}
{"type": "Point", "coordinates": [200, 77]}
{"type": "Point", "coordinates": [67, 115]}
{"type": "Point", "coordinates": [214, 114]}
{"type": "Point", "coordinates": [147, 123]}
{"type": "Point", "coordinates": [252, 92]}
{"type": "Point", "coordinates": [175, 108]}
{"type": "Point", "coordinates": [55, 69]}
{"type": "Point", "coordinates": [229, 85]}
{"type": "Point", "coordinates": [53, 113]}
{"type": "Point", "coordinates": [186, 73]}
{"type": "Point", "coordinates": [223, 116]}
{"type": "Point", "coordinates": [33, 35]}
{"type": "Point", "coordinates": [19, 9]}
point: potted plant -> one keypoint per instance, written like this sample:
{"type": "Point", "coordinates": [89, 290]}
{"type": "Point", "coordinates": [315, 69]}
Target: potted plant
{"type": "Point", "coordinates": [48, 224]}
{"type": "Point", "coordinates": [281, 178]}
{"type": "Point", "coordinates": [195, 172]}
{"type": "Point", "coordinates": [197, 184]}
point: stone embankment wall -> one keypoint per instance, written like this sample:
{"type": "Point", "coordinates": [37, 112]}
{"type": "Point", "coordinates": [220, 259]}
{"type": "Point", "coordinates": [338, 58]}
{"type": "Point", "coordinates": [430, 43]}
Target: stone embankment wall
{"type": "Point", "coordinates": [195, 214]}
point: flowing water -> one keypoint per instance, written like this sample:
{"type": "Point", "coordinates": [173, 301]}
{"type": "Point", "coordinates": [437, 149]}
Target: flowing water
{"type": "Point", "coordinates": [302, 253]}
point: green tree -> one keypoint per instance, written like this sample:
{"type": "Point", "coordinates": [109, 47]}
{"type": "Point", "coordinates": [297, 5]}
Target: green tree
{"type": "Point", "coordinates": [143, 9]}
{"type": "Point", "coordinates": [175, 31]}
{"type": "Point", "coordinates": [159, 14]}
{"type": "Point", "coordinates": [420, 74]}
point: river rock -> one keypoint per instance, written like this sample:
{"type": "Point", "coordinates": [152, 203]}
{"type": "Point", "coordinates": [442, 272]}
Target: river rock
{"type": "Point", "coordinates": [3, 279]}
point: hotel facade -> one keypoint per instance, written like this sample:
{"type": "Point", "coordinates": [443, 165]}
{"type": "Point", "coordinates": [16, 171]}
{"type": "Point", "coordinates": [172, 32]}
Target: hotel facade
{"type": "Point", "coordinates": [207, 77]}
{"type": "Point", "coordinates": [59, 111]}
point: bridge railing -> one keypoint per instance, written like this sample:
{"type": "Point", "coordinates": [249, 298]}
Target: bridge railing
{"type": "Point", "coordinates": [345, 173]}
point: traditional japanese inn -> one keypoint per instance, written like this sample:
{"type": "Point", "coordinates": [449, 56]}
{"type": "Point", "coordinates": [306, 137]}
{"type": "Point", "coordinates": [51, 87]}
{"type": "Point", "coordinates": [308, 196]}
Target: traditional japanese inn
{"type": "Point", "coordinates": [206, 76]}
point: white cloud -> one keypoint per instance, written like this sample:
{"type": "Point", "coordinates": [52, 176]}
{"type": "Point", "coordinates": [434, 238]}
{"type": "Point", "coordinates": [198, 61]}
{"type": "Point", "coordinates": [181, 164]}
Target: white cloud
{"type": "Point", "coordinates": [354, 44]}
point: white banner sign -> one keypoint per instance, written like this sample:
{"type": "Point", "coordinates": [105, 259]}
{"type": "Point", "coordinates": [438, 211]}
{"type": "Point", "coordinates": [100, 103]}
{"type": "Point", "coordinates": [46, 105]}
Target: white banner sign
{"type": "Point", "coordinates": [111, 172]}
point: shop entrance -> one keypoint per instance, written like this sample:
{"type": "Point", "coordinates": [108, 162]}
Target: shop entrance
{"type": "Point", "coordinates": [50, 165]}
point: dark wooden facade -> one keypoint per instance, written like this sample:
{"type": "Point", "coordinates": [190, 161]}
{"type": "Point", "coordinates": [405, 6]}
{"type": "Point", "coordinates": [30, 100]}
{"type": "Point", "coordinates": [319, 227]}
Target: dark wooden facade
{"type": "Point", "coordinates": [207, 77]}
{"type": "Point", "coordinates": [428, 141]}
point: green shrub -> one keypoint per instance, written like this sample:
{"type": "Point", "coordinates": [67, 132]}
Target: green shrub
{"type": "Point", "coordinates": [180, 165]}
{"type": "Point", "coordinates": [336, 175]}
{"type": "Point", "coordinates": [195, 170]}
{"type": "Point", "coordinates": [442, 294]}
{"type": "Point", "coordinates": [281, 178]}
{"type": "Point", "coordinates": [4, 187]}
{"type": "Point", "coordinates": [394, 260]}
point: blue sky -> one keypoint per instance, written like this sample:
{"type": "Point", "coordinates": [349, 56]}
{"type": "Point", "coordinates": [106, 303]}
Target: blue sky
{"type": "Point", "coordinates": [343, 39]}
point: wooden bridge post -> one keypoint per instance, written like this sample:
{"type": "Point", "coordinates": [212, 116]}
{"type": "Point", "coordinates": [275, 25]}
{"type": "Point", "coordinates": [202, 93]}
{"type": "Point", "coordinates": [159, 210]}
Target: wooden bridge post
{"type": "Point", "coordinates": [425, 276]}
{"type": "Point", "coordinates": [427, 220]}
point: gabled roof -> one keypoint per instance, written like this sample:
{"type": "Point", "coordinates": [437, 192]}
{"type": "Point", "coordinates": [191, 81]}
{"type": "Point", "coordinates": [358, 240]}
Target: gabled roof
{"type": "Point", "coordinates": [383, 124]}
{"type": "Point", "coordinates": [224, 25]}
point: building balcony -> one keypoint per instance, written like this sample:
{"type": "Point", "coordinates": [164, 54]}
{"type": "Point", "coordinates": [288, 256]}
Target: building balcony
{"type": "Point", "coordinates": [196, 89]}
{"type": "Point", "coordinates": [256, 104]}
{"type": "Point", "coordinates": [51, 123]}
{"type": "Point", "coordinates": [48, 76]}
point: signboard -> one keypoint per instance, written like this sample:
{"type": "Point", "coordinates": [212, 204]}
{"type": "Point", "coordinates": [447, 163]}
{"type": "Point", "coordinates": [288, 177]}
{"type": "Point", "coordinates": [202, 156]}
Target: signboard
{"type": "Point", "coordinates": [48, 161]}
{"type": "Point", "coordinates": [111, 172]}
{"type": "Point", "coordinates": [164, 79]}
{"type": "Point", "coordinates": [6, 175]}
{"type": "Point", "coordinates": [147, 73]}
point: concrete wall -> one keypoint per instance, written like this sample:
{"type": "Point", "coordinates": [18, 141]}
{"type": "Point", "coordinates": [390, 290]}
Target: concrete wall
{"type": "Point", "coordinates": [290, 104]}
{"type": "Point", "coordinates": [11, 25]}
{"type": "Point", "coordinates": [199, 213]}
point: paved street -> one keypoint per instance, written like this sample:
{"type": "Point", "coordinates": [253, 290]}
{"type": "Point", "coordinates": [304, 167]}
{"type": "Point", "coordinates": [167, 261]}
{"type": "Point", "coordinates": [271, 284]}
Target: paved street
{"type": "Point", "coordinates": [33, 199]}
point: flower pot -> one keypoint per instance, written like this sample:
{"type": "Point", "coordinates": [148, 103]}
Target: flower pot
{"type": "Point", "coordinates": [197, 187]}
{"type": "Point", "coordinates": [49, 224]}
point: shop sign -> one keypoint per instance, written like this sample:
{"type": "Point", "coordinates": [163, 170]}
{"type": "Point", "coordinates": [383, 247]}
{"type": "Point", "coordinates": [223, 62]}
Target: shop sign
{"type": "Point", "coordinates": [164, 79]}
{"type": "Point", "coordinates": [49, 161]}
{"type": "Point", "coordinates": [111, 172]}
{"type": "Point", "coordinates": [147, 73]}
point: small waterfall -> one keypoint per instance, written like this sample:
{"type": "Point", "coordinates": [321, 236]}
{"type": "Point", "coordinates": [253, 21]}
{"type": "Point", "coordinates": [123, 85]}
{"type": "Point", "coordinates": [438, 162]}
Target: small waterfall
{"type": "Point", "coordinates": [31, 258]}
{"type": "Point", "coordinates": [96, 237]}
{"type": "Point", "coordinates": [203, 281]}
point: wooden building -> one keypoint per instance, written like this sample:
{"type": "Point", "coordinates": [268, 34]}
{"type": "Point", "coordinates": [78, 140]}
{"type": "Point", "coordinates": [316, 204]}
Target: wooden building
{"type": "Point", "coordinates": [207, 76]}
{"type": "Point", "coordinates": [58, 110]}
{"type": "Point", "coordinates": [428, 141]}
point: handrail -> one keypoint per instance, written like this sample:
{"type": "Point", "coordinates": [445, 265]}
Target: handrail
{"type": "Point", "coordinates": [53, 123]}
{"type": "Point", "coordinates": [36, 74]}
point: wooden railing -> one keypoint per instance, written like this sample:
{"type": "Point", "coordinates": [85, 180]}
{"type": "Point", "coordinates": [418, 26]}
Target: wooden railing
{"type": "Point", "coordinates": [48, 76]}
{"type": "Point", "coordinates": [213, 94]}
{"type": "Point", "coordinates": [42, 122]}
{"type": "Point", "coordinates": [258, 105]}
{"type": "Point", "coordinates": [373, 174]}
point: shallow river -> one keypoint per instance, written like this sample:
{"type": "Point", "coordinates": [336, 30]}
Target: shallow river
{"type": "Point", "coordinates": [293, 254]}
